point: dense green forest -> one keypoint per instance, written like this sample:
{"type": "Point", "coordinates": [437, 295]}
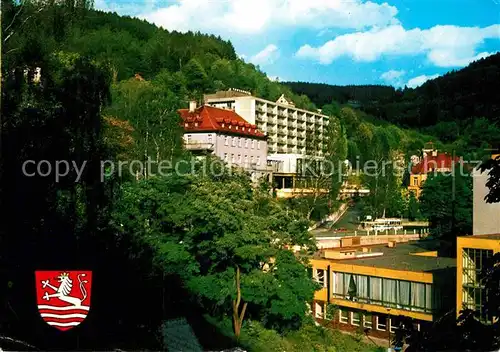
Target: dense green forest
{"type": "Point", "coordinates": [452, 107]}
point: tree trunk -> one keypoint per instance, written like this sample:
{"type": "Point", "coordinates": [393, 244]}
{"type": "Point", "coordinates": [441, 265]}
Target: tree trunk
{"type": "Point", "coordinates": [237, 315]}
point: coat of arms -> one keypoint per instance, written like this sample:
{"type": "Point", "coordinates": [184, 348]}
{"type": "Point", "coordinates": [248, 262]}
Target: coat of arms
{"type": "Point", "coordinates": [63, 297]}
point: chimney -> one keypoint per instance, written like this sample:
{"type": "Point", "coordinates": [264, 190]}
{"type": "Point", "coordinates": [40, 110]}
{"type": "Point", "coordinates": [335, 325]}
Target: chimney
{"type": "Point", "coordinates": [192, 105]}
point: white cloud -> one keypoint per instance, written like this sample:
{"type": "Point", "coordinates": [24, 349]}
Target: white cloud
{"type": "Point", "coordinates": [244, 16]}
{"type": "Point", "coordinates": [418, 81]}
{"type": "Point", "coordinates": [266, 56]}
{"type": "Point", "coordinates": [393, 77]}
{"type": "Point", "coordinates": [445, 46]}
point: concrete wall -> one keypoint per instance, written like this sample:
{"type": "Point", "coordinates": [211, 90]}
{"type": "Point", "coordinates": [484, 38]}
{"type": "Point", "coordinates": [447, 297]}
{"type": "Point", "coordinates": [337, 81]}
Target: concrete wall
{"type": "Point", "coordinates": [485, 217]}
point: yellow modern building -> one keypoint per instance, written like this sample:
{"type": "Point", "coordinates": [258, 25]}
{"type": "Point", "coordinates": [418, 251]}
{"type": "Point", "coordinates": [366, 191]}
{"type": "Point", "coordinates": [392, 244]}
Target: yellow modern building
{"type": "Point", "coordinates": [372, 287]}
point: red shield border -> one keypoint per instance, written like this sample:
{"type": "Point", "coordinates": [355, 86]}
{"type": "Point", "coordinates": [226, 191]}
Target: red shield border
{"type": "Point", "coordinates": [63, 296]}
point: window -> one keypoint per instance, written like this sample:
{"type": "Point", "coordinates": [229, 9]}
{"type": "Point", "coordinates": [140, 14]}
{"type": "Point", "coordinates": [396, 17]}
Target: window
{"type": "Point", "coordinates": [253, 144]}
{"type": "Point", "coordinates": [320, 277]}
{"type": "Point", "coordinates": [234, 142]}
{"type": "Point", "coordinates": [189, 138]}
{"type": "Point", "coordinates": [246, 142]}
{"type": "Point", "coordinates": [355, 318]}
{"type": "Point", "coordinates": [226, 140]}
{"type": "Point", "coordinates": [258, 145]}
{"type": "Point", "coordinates": [232, 158]}
{"type": "Point", "coordinates": [344, 316]}
{"type": "Point", "coordinates": [389, 287]}
{"type": "Point", "coordinates": [239, 158]}
{"type": "Point", "coordinates": [394, 323]}
{"type": "Point", "coordinates": [417, 296]}
{"type": "Point", "coordinates": [381, 323]}
{"type": "Point", "coordinates": [246, 159]}
{"type": "Point", "coordinates": [251, 159]}
{"type": "Point", "coordinates": [239, 142]}
{"type": "Point", "coordinates": [403, 293]}
{"type": "Point", "coordinates": [226, 157]}
{"type": "Point", "coordinates": [210, 138]}
{"type": "Point", "coordinates": [319, 311]}
{"type": "Point", "coordinates": [258, 160]}
{"type": "Point", "coordinates": [367, 320]}
{"type": "Point", "coordinates": [415, 181]}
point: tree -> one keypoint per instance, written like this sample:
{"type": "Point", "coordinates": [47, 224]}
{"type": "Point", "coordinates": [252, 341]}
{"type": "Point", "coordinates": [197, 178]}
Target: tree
{"type": "Point", "coordinates": [151, 109]}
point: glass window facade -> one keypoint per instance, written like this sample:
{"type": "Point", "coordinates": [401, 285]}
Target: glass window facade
{"type": "Point", "coordinates": [401, 294]}
{"type": "Point", "coordinates": [473, 290]}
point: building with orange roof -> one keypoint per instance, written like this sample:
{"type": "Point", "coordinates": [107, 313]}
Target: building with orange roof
{"type": "Point", "coordinates": [223, 133]}
{"type": "Point", "coordinates": [432, 162]}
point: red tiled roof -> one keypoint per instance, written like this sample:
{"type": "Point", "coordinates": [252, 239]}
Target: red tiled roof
{"type": "Point", "coordinates": [209, 118]}
{"type": "Point", "coordinates": [429, 163]}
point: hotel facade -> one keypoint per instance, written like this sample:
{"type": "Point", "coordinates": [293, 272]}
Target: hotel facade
{"type": "Point", "coordinates": [293, 134]}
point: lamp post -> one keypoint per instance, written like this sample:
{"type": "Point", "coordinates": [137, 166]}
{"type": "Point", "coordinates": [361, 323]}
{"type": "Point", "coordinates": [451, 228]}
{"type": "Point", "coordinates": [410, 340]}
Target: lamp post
{"type": "Point", "coordinates": [389, 326]}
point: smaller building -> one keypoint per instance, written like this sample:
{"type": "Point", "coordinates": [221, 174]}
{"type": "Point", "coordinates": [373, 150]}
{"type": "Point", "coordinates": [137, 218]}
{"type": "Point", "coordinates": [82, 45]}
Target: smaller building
{"type": "Point", "coordinates": [223, 133]}
{"type": "Point", "coordinates": [432, 162]}
{"type": "Point", "coordinates": [371, 287]}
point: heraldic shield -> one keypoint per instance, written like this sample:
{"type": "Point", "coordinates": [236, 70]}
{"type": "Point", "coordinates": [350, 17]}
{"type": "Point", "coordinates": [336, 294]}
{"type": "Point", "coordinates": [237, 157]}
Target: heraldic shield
{"type": "Point", "coordinates": [63, 297]}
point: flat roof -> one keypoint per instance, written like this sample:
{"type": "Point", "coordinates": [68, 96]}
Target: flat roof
{"type": "Point", "coordinates": [399, 257]}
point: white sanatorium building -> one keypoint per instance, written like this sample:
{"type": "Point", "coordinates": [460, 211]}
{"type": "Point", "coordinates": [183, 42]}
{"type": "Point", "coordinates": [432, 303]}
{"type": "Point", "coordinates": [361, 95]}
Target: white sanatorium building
{"type": "Point", "coordinates": [293, 134]}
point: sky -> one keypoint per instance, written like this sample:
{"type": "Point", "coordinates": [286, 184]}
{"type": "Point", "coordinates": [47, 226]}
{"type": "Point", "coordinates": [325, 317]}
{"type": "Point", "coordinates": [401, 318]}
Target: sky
{"type": "Point", "coordinates": [396, 42]}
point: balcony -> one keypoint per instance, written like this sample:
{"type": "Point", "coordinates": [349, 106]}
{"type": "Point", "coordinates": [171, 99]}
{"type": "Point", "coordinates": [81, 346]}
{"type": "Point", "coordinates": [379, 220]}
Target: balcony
{"type": "Point", "coordinates": [272, 121]}
{"type": "Point", "coordinates": [301, 127]}
{"type": "Point", "coordinates": [282, 122]}
{"type": "Point", "coordinates": [281, 150]}
{"type": "Point", "coordinates": [198, 146]}
{"type": "Point", "coordinates": [282, 131]}
{"type": "Point", "coordinates": [281, 140]}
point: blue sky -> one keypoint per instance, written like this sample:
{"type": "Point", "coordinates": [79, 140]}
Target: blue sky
{"type": "Point", "coordinates": [396, 42]}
